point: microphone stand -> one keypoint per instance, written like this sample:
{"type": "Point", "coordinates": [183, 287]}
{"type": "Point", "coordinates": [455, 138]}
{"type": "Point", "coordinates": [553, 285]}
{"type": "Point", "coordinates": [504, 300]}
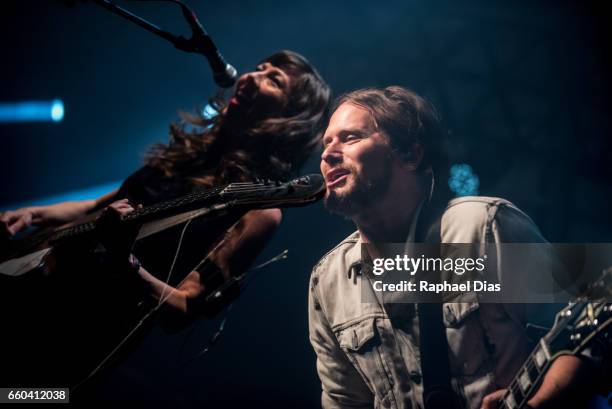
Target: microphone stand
{"type": "Point", "coordinates": [200, 42]}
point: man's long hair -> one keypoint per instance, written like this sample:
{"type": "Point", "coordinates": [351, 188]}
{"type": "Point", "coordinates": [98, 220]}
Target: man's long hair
{"type": "Point", "coordinates": [203, 152]}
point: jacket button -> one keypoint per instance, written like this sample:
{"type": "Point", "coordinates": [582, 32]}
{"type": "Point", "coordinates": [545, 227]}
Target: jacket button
{"type": "Point", "coordinates": [415, 377]}
{"type": "Point", "coordinates": [385, 402]}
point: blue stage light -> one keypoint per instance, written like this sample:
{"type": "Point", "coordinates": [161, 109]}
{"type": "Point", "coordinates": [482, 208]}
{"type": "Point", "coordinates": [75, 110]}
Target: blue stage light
{"type": "Point", "coordinates": [57, 110]}
{"type": "Point", "coordinates": [32, 111]}
{"type": "Point", "coordinates": [463, 181]}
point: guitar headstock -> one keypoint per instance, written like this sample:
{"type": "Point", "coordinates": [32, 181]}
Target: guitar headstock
{"type": "Point", "coordinates": [585, 320]}
{"type": "Point", "coordinates": [267, 193]}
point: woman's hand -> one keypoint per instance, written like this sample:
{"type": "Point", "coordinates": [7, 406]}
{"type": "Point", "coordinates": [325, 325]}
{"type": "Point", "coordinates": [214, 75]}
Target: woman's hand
{"type": "Point", "coordinates": [14, 221]}
{"type": "Point", "coordinates": [119, 208]}
{"type": "Point", "coordinates": [116, 236]}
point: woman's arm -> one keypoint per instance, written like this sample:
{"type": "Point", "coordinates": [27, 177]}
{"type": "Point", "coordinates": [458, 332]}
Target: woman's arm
{"type": "Point", "coordinates": [12, 222]}
{"type": "Point", "coordinates": [235, 252]}
{"type": "Point", "coordinates": [239, 248]}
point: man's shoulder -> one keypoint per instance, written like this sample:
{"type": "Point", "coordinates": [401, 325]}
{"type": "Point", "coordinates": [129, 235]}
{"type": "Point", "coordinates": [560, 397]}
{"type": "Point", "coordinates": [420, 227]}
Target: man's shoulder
{"type": "Point", "coordinates": [477, 201]}
{"type": "Point", "coordinates": [472, 208]}
{"type": "Point", "coordinates": [466, 219]}
{"type": "Point", "coordinates": [477, 208]}
{"type": "Point", "coordinates": [338, 251]}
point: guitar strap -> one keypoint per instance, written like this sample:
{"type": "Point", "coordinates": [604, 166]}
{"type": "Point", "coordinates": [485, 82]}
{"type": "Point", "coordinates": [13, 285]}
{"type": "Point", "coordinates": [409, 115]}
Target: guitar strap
{"type": "Point", "coordinates": [435, 367]}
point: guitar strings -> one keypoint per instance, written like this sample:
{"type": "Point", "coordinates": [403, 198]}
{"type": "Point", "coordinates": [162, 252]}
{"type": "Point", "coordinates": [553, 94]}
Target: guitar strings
{"type": "Point", "coordinates": [238, 187]}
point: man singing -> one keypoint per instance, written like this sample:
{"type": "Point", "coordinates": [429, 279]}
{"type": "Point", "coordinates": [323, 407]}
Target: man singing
{"type": "Point", "coordinates": [383, 159]}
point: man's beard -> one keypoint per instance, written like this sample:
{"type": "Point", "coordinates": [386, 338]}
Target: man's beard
{"type": "Point", "coordinates": [363, 194]}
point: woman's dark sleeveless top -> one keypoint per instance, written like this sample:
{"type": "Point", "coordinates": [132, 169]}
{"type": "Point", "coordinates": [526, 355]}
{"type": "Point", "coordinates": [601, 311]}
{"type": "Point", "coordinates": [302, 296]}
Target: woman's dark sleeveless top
{"type": "Point", "coordinates": [148, 186]}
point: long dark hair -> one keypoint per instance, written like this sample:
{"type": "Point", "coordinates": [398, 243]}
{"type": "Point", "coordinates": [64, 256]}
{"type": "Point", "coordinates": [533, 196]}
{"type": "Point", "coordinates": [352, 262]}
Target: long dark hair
{"type": "Point", "coordinates": [204, 152]}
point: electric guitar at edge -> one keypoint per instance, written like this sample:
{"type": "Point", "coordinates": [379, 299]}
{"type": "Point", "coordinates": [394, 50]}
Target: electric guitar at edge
{"type": "Point", "coordinates": [586, 322]}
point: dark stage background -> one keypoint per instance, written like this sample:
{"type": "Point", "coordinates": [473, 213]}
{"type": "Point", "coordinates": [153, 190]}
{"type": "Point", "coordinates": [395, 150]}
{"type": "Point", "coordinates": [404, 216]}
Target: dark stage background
{"type": "Point", "coordinates": [523, 87]}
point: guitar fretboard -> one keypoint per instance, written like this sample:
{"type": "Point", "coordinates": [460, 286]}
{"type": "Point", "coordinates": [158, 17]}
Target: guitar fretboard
{"type": "Point", "coordinates": [197, 197]}
{"type": "Point", "coordinates": [528, 378]}
{"type": "Point", "coordinates": [140, 214]}
{"type": "Point", "coordinates": [259, 194]}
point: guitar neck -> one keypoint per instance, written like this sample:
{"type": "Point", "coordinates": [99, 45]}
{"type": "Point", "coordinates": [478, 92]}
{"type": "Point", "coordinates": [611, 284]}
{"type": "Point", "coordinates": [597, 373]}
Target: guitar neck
{"type": "Point", "coordinates": [147, 213]}
{"type": "Point", "coordinates": [528, 379]}
{"type": "Point", "coordinates": [253, 195]}
{"type": "Point", "coordinates": [577, 326]}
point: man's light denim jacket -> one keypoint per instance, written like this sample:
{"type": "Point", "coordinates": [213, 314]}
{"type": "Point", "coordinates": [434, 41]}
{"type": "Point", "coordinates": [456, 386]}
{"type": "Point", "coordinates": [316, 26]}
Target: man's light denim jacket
{"type": "Point", "coordinates": [363, 361]}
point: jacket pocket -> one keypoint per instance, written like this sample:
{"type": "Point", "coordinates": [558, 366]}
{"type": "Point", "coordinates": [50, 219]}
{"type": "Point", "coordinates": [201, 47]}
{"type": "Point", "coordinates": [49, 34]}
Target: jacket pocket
{"type": "Point", "coordinates": [356, 336]}
{"type": "Point", "coordinates": [470, 352]}
{"type": "Point", "coordinates": [361, 344]}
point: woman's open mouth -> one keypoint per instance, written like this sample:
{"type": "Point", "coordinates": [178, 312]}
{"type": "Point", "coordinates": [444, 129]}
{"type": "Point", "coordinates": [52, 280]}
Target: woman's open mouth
{"type": "Point", "coordinates": [238, 99]}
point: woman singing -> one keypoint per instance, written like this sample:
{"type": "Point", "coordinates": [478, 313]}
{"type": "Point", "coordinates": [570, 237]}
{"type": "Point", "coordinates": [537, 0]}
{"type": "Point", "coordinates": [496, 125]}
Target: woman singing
{"type": "Point", "coordinates": [267, 129]}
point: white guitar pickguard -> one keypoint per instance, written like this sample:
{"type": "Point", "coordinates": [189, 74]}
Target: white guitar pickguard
{"type": "Point", "coordinates": [21, 265]}
{"type": "Point", "coordinates": [150, 228]}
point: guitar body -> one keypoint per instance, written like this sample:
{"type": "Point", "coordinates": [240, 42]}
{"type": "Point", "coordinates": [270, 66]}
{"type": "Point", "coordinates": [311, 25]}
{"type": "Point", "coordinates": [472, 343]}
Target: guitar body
{"type": "Point", "coordinates": [67, 313]}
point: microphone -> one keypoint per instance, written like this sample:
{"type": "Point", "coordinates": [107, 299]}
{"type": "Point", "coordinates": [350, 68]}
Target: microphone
{"type": "Point", "coordinates": [224, 74]}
